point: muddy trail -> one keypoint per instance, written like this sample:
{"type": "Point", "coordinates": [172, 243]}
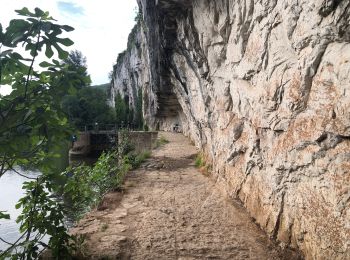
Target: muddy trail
{"type": "Point", "coordinates": [169, 210]}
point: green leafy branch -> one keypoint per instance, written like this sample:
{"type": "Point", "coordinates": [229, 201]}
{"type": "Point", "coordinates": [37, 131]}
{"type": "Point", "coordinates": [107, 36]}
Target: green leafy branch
{"type": "Point", "coordinates": [33, 126]}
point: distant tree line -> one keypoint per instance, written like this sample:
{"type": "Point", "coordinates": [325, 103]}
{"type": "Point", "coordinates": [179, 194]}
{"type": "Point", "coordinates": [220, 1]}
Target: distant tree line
{"type": "Point", "coordinates": [88, 105]}
{"type": "Point", "coordinates": [126, 116]}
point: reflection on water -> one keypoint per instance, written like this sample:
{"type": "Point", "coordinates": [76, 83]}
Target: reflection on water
{"type": "Point", "coordinates": [10, 192]}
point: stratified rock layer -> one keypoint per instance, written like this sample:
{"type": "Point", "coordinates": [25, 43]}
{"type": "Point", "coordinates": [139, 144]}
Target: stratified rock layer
{"type": "Point", "coordinates": [263, 88]}
{"type": "Point", "coordinates": [157, 216]}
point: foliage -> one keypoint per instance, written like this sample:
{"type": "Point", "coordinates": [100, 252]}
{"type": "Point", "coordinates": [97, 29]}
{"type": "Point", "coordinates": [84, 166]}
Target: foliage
{"type": "Point", "coordinates": [126, 116]}
{"type": "Point", "coordinates": [135, 160]}
{"type": "Point", "coordinates": [199, 162]}
{"type": "Point", "coordinates": [104, 227]}
{"type": "Point", "coordinates": [32, 126]}
{"type": "Point", "coordinates": [77, 62]}
{"type": "Point", "coordinates": [204, 167]}
{"type": "Point", "coordinates": [110, 75]}
{"type": "Point", "coordinates": [86, 185]}
{"type": "Point", "coordinates": [122, 111]}
{"type": "Point", "coordinates": [132, 39]}
{"type": "Point", "coordinates": [161, 141]}
{"type": "Point", "coordinates": [103, 87]}
{"type": "Point", "coordinates": [120, 57]}
{"type": "Point", "coordinates": [3, 215]}
{"type": "Point", "coordinates": [124, 145]}
{"type": "Point", "coordinates": [139, 16]}
{"type": "Point", "coordinates": [31, 122]}
{"type": "Point", "coordinates": [43, 216]}
{"type": "Point", "coordinates": [88, 106]}
{"type": "Point", "coordinates": [138, 120]}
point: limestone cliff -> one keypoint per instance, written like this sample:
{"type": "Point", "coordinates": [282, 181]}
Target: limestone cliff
{"type": "Point", "coordinates": [263, 88]}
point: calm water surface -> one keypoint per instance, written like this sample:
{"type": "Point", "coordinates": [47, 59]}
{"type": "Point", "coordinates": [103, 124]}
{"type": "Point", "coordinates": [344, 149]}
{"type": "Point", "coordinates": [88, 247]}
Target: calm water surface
{"type": "Point", "coordinates": [10, 192]}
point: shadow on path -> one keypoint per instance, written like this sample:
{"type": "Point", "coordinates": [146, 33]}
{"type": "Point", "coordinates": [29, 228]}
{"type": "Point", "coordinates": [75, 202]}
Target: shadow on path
{"type": "Point", "coordinates": [169, 210]}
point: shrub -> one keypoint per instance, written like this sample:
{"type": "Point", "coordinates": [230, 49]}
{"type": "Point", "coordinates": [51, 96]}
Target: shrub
{"type": "Point", "coordinates": [199, 162]}
{"type": "Point", "coordinates": [85, 186]}
{"type": "Point", "coordinates": [135, 160]}
{"type": "Point", "coordinates": [202, 165]}
{"type": "Point", "coordinates": [33, 127]}
{"type": "Point", "coordinates": [161, 141]}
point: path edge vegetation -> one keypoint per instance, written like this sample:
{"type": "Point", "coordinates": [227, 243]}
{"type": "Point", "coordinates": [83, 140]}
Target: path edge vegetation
{"type": "Point", "coordinates": [32, 128]}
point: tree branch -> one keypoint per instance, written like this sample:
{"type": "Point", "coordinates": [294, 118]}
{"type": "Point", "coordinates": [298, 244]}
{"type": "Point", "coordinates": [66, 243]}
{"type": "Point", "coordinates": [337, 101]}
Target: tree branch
{"type": "Point", "coordinates": [12, 245]}
{"type": "Point", "coordinates": [32, 62]}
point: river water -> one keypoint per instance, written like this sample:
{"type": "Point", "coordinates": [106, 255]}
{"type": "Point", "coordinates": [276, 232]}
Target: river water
{"type": "Point", "coordinates": [10, 192]}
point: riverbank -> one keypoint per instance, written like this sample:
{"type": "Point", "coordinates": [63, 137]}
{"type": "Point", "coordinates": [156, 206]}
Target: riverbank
{"type": "Point", "coordinates": [167, 209]}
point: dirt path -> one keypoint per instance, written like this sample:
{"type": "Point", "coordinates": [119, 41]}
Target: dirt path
{"type": "Point", "coordinates": [169, 210]}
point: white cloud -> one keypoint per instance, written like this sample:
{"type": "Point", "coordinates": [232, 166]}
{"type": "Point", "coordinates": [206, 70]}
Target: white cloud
{"type": "Point", "coordinates": [101, 27]}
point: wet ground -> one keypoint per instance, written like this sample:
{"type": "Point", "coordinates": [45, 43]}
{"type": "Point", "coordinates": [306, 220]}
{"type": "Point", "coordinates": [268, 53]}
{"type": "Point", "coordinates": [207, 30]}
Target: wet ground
{"type": "Point", "coordinates": [169, 210]}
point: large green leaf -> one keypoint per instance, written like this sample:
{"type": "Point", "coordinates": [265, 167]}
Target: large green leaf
{"type": "Point", "coordinates": [65, 41]}
{"type": "Point", "coordinates": [24, 12]}
{"type": "Point", "coordinates": [67, 28]}
{"type": "Point", "coordinates": [32, 123]}
{"type": "Point", "coordinates": [39, 12]}
{"type": "Point", "coordinates": [3, 215]}
{"type": "Point", "coordinates": [49, 51]}
{"type": "Point", "coordinates": [62, 54]}
{"type": "Point", "coordinates": [46, 26]}
{"type": "Point", "coordinates": [4, 53]}
{"type": "Point", "coordinates": [45, 64]}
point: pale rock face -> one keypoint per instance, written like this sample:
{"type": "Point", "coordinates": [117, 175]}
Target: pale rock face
{"type": "Point", "coordinates": [263, 88]}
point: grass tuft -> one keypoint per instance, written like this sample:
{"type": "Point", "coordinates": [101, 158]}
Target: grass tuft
{"type": "Point", "coordinates": [202, 165]}
{"type": "Point", "coordinates": [199, 162]}
{"type": "Point", "coordinates": [161, 141]}
{"type": "Point", "coordinates": [104, 227]}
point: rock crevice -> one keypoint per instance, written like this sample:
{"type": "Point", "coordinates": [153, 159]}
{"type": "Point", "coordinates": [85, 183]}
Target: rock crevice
{"type": "Point", "coordinates": [263, 88]}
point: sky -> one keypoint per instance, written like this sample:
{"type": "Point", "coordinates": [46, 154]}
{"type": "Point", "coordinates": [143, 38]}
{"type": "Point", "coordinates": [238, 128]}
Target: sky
{"type": "Point", "coordinates": [101, 27]}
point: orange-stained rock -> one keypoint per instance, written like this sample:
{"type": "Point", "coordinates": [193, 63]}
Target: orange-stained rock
{"type": "Point", "coordinates": [263, 88]}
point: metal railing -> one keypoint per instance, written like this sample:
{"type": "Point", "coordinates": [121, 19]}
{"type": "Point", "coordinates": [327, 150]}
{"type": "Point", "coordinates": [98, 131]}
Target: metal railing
{"type": "Point", "coordinates": [107, 127]}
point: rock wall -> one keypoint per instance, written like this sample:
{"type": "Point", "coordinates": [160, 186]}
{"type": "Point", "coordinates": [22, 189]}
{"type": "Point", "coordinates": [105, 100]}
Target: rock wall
{"type": "Point", "coordinates": [263, 88]}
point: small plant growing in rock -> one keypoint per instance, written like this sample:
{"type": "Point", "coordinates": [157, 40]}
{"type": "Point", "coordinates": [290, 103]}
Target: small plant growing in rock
{"type": "Point", "coordinates": [202, 165]}
{"type": "Point", "coordinates": [104, 227]}
{"type": "Point", "coordinates": [161, 141]}
{"type": "Point", "coordinates": [135, 160]}
{"type": "Point", "coordinates": [199, 162]}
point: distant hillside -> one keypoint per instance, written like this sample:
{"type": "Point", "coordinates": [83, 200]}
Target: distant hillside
{"type": "Point", "coordinates": [102, 86]}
